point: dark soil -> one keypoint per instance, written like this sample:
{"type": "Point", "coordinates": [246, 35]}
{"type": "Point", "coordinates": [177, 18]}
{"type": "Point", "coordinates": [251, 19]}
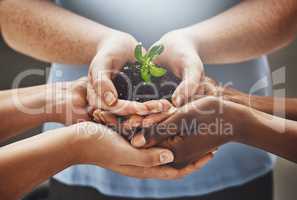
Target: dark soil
{"type": "Point", "coordinates": [131, 87]}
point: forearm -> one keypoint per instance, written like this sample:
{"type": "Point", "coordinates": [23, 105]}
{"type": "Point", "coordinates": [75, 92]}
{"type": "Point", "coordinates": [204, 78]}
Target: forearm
{"type": "Point", "coordinates": [278, 106]}
{"type": "Point", "coordinates": [23, 109]}
{"type": "Point", "coordinates": [247, 30]}
{"type": "Point", "coordinates": [271, 133]}
{"type": "Point", "coordinates": [281, 107]}
{"type": "Point", "coordinates": [47, 32]}
{"type": "Point", "coordinates": [29, 162]}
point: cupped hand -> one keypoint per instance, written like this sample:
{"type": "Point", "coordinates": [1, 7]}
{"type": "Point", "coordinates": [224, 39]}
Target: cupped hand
{"type": "Point", "coordinates": [99, 145]}
{"type": "Point", "coordinates": [116, 51]}
{"type": "Point", "coordinates": [195, 129]}
{"type": "Point", "coordinates": [182, 58]}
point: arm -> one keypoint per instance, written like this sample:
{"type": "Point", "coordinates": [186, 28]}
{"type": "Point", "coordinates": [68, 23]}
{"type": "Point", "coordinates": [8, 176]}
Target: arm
{"type": "Point", "coordinates": [41, 29]}
{"type": "Point", "coordinates": [84, 143]}
{"type": "Point", "coordinates": [22, 109]}
{"type": "Point", "coordinates": [248, 30]}
{"type": "Point", "coordinates": [26, 108]}
{"type": "Point", "coordinates": [210, 122]}
{"type": "Point", "coordinates": [29, 162]}
{"type": "Point", "coordinates": [47, 32]}
{"type": "Point", "coordinates": [278, 106]}
{"type": "Point", "coordinates": [270, 133]}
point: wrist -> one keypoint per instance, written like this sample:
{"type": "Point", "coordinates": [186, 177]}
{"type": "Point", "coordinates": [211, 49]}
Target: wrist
{"type": "Point", "coordinates": [73, 145]}
{"type": "Point", "coordinates": [112, 33]}
{"type": "Point", "coordinates": [192, 35]}
{"type": "Point", "coordinates": [244, 122]}
{"type": "Point", "coordinates": [235, 96]}
{"type": "Point", "coordinates": [56, 102]}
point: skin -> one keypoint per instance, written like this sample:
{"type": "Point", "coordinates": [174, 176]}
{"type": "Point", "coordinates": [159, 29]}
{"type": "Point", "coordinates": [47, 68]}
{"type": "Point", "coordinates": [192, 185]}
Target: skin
{"type": "Point", "coordinates": [282, 107]}
{"type": "Point", "coordinates": [35, 28]}
{"type": "Point", "coordinates": [37, 33]}
{"type": "Point", "coordinates": [29, 107]}
{"type": "Point", "coordinates": [246, 31]}
{"type": "Point", "coordinates": [274, 134]}
{"type": "Point", "coordinates": [82, 143]}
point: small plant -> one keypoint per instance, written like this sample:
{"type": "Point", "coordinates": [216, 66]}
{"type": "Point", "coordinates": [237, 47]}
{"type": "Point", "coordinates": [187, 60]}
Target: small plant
{"type": "Point", "coordinates": [147, 68]}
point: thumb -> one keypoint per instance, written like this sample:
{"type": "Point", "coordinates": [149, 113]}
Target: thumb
{"type": "Point", "coordinates": [193, 73]}
{"type": "Point", "coordinates": [100, 75]}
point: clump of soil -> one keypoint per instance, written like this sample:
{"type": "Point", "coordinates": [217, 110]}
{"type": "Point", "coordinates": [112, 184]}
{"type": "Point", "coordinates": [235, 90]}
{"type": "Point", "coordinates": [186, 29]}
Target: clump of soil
{"type": "Point", "coordinates": [130, 85]}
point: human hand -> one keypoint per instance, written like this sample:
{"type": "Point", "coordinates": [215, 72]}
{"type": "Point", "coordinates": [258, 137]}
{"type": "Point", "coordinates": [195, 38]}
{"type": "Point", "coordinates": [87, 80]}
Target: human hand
{"type": "Point", "coordinates": [182, 58]}
{"type": "Point", "coordinates": [189, 131]}
{"type": "Point", "coordinates": [96, 144]}
{"type": "Point", "coordinates": [67, 101]}
{"type": "Point", "coordinates": [213, 88]}
{"type": "Point", "coordinates": [113, 54]}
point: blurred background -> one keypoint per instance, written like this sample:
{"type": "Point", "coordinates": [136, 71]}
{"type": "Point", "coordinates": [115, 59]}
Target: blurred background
{"type": "Point", "coordinates": [285, 172]}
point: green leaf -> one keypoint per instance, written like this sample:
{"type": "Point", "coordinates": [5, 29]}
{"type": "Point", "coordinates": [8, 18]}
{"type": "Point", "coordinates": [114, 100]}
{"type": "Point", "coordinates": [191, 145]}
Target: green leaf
{"type": "Point", "coordinates": [145, 74]}
{"type": "Point", "coordinates": [157, 71]}
{"type": "Point", "coordinates": [155, 51]}
{"type": "Point", "coordinates": [138, 53]}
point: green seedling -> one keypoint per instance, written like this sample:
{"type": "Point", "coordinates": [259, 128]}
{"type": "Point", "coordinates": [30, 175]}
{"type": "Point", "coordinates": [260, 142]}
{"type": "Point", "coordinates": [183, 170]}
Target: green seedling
{"type": "Point", "coordinates": [147, 68]}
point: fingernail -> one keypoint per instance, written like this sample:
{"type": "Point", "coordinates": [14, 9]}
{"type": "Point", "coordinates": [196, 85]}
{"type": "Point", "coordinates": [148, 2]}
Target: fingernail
{"type": "Point", "coordinates": [101, 117]}
{"type": "Point", "coordinates": [109, 98]}
{"type": "Point", "coordinates": [96, 116]}
{"type": "Point", "coordinates": [166, 157]}
{"type": "Point", "coordinates": [138, 141]}
{"type": "Point", "coordinates": [178, 101]}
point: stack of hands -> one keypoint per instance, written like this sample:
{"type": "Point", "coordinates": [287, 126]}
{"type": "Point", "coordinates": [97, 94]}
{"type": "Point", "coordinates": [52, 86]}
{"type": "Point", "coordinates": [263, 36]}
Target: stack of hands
{"type": "Point", "coordinates": [156, 132]}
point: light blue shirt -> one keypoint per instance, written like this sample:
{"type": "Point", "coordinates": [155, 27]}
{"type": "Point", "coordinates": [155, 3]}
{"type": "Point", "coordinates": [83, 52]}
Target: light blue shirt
{"type": "Point", "coordinates": [148, 20]}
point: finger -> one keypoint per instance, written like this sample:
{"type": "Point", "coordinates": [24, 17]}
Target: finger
{"type": "Point", "coordinates": [157, 106]}
{"type": "Point", "coordinates": [210, 86]}
{"type": "Point", "coordinates": [124, 108]}
{"type": "Point", "coordinates": [105, 117]}
{"type": "Point", "coordinates": [101, 71]}
{"type": "Point", "coordinates": [134, 121]}
{"type": "Point", "coordinates": [194, 166]}
{"type": "Point", "coordinates": [149, 157]}
{"type": "Point", "coordinates": [92, 97]}
{"type": "Point", "coordinates": [131, 125]}
{"type": "Point", "coordinates": [139, 139]}
{"type": "Point", "coordinates": [96, 117]}
{"type": "Point", "coordinates": [152, 136]}
{"type": "Point", "coordinates": [157, 118]}
{"type": "Point", "coordinates": [163, 172]}
{"type": "Point", "coordinates": [192, 75]}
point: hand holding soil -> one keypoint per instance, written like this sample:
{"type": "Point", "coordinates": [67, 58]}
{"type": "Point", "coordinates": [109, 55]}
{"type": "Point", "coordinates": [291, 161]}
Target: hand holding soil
{"type": "Point", "coordinates": [145, 82]}
{"type": "Point", "coordinates": [113, 54]}
{"type": "Point", "coordinates": [150, 85]}
{"type": "Point", "coordinates": [182, 58]}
